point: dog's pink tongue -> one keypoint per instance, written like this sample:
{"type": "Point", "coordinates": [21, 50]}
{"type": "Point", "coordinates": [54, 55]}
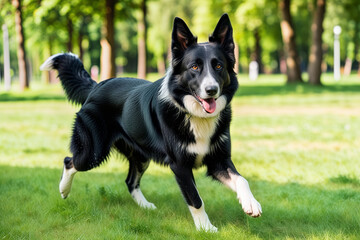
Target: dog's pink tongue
{"type": "Point", "coordinates": [209, 105]}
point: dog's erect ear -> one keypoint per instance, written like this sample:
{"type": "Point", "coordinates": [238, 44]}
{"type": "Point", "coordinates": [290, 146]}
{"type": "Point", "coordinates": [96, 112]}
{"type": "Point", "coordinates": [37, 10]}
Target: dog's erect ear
{"type": "Point", "coordinates": [223, 35]}
{"type": "Point", "coordinates": [182, 38]}
{"type": "Point", "coordinates": [223, 31]}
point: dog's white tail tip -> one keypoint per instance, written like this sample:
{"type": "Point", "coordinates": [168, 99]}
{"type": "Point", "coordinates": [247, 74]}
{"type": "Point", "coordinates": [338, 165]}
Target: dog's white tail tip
{"type": "Point", "coordinates": [48, 64]}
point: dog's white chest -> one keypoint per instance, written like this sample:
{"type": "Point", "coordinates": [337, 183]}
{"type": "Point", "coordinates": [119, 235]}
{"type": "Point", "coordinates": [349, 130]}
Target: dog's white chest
{"type": "Point", "coordinates": [203, 129]}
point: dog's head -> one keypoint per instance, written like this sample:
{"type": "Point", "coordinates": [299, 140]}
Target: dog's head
{"type": "Point", "coordinates": [202, 78]}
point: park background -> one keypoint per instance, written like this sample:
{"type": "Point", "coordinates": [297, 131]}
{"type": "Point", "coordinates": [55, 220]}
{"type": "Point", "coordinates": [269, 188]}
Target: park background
{"type": "Point", "coordinates": [295, 130]}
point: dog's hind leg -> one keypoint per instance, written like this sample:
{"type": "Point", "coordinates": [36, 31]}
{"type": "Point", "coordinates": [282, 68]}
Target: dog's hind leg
{"type": "Point", "coordinates": [90, 144]}
{"type": "Point", "coordinates": [136, 170]}
{"type": "Point", "coordinates": [67, 177]}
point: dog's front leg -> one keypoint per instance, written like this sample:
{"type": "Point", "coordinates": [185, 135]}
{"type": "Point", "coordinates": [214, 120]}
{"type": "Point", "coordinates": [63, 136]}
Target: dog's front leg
{"type": "Point", "coordinates": [185, 179]}
{"type": "Point", "coordinates": [226, 173]}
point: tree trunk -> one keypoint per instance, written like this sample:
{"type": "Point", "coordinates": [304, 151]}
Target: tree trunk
{"type": "Point", "coordinates": [315, 58]}
{"type": "Point", "coordinates": [107, 60]}
{"type": "Point", "coordinates": [236, 52]}
{"type": "Point", "coordinates": [82, 32]}
{"type": "Point", "coordinates": [357, 45]}
{"type": "Point", "coordinates": [81, 49]}
{"type": "Point", "coordinates": [7, 77]}
{"type": "Point", "coordinates": [161, 66]}
{"type": "Point", "coordinates": [70, 29]}
{"type": "Point", "coordinates": [257, 51]}
{"type": "Point", "coordinates": [142, 32]}
{"type": "Point", "coordinates": [348, 66]}
{"type": "Point", "coordinates": [292, 60]}
{"type": "Point", "coordinates": [21, 53]}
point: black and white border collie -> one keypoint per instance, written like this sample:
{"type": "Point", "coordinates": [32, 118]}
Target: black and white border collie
{"type": "Point", "coordinates": [181, 120]}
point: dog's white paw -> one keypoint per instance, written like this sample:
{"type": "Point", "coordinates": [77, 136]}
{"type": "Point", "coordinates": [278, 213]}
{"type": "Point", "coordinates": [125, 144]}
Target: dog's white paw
{"type": "Point", "coordinates": [249, 204]}
{"type": "Point", "coordinates": [207, 228]}
{"type": "Point", "coordinates": [148, 205]}
{"type": "Point", "coordinates": [64, 194]}
{"type": "Point", "coordinates": [139, 198]}
{"type": "Point", "coordinates": [66, 182]}
{"type": "Point", "coordinates": [251, 207]}
{"type": "Point", "coordinates": [201, 219]}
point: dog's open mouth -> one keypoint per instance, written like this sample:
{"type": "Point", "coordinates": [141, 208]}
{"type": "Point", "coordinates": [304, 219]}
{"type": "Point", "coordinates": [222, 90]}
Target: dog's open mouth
{"type": "Point", "coordinates": [209, 105]}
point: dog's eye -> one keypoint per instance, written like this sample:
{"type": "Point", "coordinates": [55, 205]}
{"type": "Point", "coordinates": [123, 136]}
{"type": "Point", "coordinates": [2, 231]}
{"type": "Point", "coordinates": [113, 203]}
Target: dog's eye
{"type": "Point", "coordinates": [195, 67]}
{"type": "Point", "coordinates": [218, 66]}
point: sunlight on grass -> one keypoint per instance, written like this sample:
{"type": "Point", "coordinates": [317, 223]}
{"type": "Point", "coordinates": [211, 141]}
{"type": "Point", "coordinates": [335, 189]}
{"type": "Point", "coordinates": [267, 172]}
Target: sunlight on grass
{"type": "Point", "coordinates": [297, 145]}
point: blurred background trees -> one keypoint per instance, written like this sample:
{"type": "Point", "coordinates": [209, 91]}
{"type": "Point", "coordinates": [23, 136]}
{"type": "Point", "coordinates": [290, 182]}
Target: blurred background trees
{"type": "Point", "coordinates": [133, 36]}
{"type": "Point", "coordinates": [316, 51]}
{"type": "Point", "coordinates": [290, 50]}
{"type": "Point", "coordinates": [21, 53]}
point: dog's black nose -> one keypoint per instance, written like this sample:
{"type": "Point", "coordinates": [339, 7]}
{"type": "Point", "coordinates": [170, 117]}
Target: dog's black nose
{"type": "Point", "coordinates": [211, 90]}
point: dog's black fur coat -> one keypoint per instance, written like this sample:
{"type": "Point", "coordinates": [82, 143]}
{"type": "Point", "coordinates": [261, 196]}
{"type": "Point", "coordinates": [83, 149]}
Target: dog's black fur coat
{"type": "Point", "coordinates": [145, 120]}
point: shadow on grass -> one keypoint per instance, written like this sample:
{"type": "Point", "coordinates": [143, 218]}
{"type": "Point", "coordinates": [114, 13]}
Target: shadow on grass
{"type": "Point", "coordinates": [345, 180]}
{"type": "Point", "coordinates": [297, 211]}
{"type": "Point", "coordinates": [30, 96]}
{"type": "Point", "coordinates": [263, 90]}
{"type": "Point", "coordinates": [101, 200]}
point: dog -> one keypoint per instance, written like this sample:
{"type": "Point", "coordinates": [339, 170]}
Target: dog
{"type": "Point", "coordinates": [181, 121]}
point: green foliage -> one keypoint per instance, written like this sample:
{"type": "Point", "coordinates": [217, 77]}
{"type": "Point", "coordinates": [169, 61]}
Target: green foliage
{"type": "Point", "coordinates": [346, 15]}
{"type": "Point", "coordinates": [262, 16]}
{"type": "Point", "coordinates": [297, 145]}
{"type": "Point", "coordinates": [159, 35]}
{"type": "Point", "coordinates": [302, 17]}
{"type": "Point", "coordinates": [7, 17]}
{"type": "Point", "coordinates": [46, 28]}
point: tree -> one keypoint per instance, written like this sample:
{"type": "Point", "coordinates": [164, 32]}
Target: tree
{"type": "Point", "coordinates": [6, 53]}
{"type": "Point", "coordinates": [257, 25]}
{"type": "Point", "coordinates": [350, 33]}
{"type": "Point", "coordinates": [142, 34]}
{"type": "Point", "coordinates": [347, 16]}
{"type": "Point", "coordinates": [61, 26]}
{"type": "Point", "coordinates": [256, 55]}
{"type": "Point", "coordinates": [107, 42]}
{"type": "Point", "coordinates": [293, 71]}
{"type": "Point", "coordinates": [159, 34]}
{"type": "Point", "coordinates": [21, 53]}
{"type": "Point", "coordinates": [70, 28]}
{"type": "Point", "coordinates": [316, 53]}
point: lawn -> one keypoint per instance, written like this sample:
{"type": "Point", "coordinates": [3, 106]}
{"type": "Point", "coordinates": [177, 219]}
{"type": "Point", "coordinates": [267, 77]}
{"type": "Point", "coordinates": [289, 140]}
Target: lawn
{"type": "Point", "coordinates": [297, 145]}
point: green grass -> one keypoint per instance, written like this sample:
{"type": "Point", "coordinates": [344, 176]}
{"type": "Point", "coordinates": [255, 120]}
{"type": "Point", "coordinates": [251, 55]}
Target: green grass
{"type": "Point", "coordinates": [298, 146]}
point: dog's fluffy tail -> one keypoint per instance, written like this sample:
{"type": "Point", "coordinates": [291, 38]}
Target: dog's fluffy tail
{"type": "Point", "coordinates": [76, 82]}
